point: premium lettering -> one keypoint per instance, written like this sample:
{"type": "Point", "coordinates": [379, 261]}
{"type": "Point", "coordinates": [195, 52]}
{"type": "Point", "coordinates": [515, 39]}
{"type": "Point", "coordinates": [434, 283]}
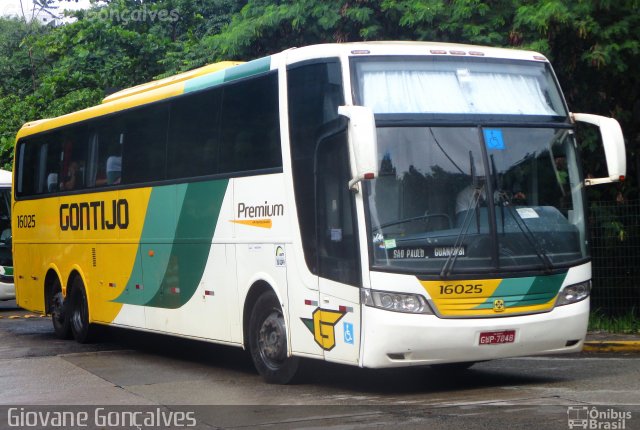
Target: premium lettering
{"type": "Point", "coordinates": [260, 211]}
{"type": "Point", "coordinates": [98, 215]}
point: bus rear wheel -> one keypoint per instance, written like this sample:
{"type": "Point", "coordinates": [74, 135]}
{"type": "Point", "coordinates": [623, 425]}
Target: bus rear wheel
{"type": "Point", "coordinates": [79, 317]}
{"type": "Point", "coordinates": [268, 341]}
{"type": "Point", "coordinates": [58, 307]}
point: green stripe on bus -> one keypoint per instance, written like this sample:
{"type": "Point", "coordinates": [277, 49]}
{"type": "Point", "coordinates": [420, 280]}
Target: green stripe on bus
{"type": "Point", "coordinates": [202, 82]}
{"type": "Point", "coordinates": [180, 243]}
{"type": "Point", "coordinates": [159, 228]}
{"type": "Point", "coordinates": [254, 67]}
{"type": "Point", "coordinates": [192, 244]}
{"type": "Point", "coordinates": [544, 288]}
{"type": "Point", "coordinates": [530, 291]}
{"type": "Point", "coordinates": [251, 68]}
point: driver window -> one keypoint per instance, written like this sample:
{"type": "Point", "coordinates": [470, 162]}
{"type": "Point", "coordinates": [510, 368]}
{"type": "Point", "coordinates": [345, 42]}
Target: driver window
{"type": "Point", "coordinates": [336, 230]}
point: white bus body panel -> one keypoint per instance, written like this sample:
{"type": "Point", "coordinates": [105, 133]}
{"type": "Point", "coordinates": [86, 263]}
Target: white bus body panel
{"type": "Point", "coordinates": [427, 339]}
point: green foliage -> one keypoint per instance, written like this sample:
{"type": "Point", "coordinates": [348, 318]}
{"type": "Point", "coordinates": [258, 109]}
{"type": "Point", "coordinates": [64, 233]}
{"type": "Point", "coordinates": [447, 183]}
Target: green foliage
{"type": "Point", "coordinates": [593, 44]}
{"type": "Point", "coordinates": [628, 323]}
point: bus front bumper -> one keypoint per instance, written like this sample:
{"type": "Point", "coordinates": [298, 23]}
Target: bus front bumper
{"type": "Point", "coordinates": [392, 339]}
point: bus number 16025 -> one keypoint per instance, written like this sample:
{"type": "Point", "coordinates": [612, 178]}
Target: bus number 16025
{"type": "Point", "coordinates": [461, 289]}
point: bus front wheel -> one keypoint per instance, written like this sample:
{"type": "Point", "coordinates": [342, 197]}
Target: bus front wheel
{"type": "Point", "coordinates": [59, 309]}
{"type": "Point", "coordinates": [79, 318]}
{"type": "Point", "coordinates": [268, 341]}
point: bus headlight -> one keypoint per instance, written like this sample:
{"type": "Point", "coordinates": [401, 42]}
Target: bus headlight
{"type": "Point", "coordinates": [574, 293]}
{"type": "Point", "coordinates": [396, 302]}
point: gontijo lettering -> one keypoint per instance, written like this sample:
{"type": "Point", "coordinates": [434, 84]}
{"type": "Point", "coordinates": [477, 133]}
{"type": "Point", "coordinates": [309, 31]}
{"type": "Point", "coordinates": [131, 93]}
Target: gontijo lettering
{"type": "Point", "coordinates": [97, 215]}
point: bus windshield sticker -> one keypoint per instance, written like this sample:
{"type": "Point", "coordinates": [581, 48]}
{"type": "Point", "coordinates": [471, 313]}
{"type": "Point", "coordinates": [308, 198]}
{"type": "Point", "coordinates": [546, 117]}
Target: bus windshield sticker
{"type": "Point", "coordinates": [390, 243]}
{"type": "Point", "coordinates": [493, 139]}
{"type": "Point", "coordinates": [336, 235]}
{"type": "Point", "coordinates": [281, 260]}
{"type": "Point", "coordinates": [526, 213]}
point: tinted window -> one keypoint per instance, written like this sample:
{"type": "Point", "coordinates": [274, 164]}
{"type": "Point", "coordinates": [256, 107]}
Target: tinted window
{"type": "Point", "coordinates": [315, 92]}
{"type": "Point", "coordinates": [335, 220]}
{"type": "Point", "coordinates": [53, 162]}
{"type": "Point", "coordinates": [194, 135]}
{"type": "Point", "coordinates": [250, 130]}
{"type": "Point", "coordinates": [105, 153]}
{"type": "Point", "coordinates": [74, 158]}
{"type": "Point", "coordinates": [227, 129]}
{"type": "Point", "coordinates": [144, 144]}
{"type": "Point", "coordinates": [26, 163]}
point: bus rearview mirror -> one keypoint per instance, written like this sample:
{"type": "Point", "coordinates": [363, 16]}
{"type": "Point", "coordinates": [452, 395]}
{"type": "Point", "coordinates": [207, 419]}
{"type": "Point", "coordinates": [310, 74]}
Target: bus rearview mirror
{"type": "Point", "coordinates": [363, 146]}
{"type": "Point", "coordinates": [613, 143]}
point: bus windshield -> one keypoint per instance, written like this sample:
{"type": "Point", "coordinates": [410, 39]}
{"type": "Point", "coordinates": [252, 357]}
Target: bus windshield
{"type": "Point", "coordinates": [471, 193]}
{"type": "Point", "coordinates": [440, 205]}
{"type": "Point", "coordinates": [441, 85]}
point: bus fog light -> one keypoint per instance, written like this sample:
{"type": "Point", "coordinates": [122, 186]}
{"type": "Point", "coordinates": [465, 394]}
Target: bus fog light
{"type": "Point", "coordinates": [396, 302]}
{"type": "Point", "coordinates": [574, 293]}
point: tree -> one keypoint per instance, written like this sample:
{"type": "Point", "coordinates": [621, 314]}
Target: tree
{"type": "Point", "coordinates": [594, 46]}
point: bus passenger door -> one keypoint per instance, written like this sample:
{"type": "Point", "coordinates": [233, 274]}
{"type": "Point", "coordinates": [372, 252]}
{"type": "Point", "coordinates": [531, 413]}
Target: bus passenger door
{"type": "Point", "coordinates": [338, 260]}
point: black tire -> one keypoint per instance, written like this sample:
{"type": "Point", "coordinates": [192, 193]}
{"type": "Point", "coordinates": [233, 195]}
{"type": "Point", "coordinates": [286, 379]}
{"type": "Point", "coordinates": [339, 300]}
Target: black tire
{"type": "Point", "coordinates": [268, 341]}
{"type": "Point", "coordinates": [59, 309]}
{"type": "Point", "coordinates": [79, 313]}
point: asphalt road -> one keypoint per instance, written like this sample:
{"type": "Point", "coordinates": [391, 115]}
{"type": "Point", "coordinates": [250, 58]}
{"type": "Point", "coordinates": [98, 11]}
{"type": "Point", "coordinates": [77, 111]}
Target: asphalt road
{"type": "Point", "coordinates": [149, 373]}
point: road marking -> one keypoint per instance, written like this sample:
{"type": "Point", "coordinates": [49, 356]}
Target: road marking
{"type": "Point", "coordinates": [26, 316]}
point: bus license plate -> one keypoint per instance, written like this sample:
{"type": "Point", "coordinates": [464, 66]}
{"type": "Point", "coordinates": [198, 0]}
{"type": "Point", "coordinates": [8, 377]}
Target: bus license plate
{"type": "Point", "coordinates": [497, 337]}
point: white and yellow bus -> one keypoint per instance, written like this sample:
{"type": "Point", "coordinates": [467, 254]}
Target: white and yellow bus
{"type": "Point", "coordinates": [373, 204]}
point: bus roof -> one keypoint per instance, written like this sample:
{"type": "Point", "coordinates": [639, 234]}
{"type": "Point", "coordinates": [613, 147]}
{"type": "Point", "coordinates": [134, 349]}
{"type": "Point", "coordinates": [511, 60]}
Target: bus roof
{"type": "Point", "coordinates": [225, 71]}
{"type": "Point", "coordinates": [409, 48]}
{"type": "Point", "coordinates": [149, 86]}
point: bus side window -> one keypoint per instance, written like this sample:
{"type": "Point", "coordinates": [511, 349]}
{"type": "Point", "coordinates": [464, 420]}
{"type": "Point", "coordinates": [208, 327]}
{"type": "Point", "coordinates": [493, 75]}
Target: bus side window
{"type": "Point", "coordinates": [144, 148]}
{"type": "Point", "coordinates": [193, 134]}
{"type": "Point", "coordinates": [250, 128]}
{"type": "Point", "coordinates": [52, 163]}
{"type": "Point", "coordinates": [26, 164]}
{"type": "Point", "coordinates": [106, 155]}
{"type": "Point", "coordinates": [73, 163]}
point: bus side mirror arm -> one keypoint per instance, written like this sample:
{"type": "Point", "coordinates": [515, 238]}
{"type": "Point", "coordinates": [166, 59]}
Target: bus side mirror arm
{"type": "Point", "coordinates": [613, 143]}
{"type": "Point", "coordinates": [363, 146]}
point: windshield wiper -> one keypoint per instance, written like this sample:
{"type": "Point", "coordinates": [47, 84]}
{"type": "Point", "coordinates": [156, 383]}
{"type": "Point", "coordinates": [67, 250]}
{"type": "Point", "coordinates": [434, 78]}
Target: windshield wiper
{"type": "Point", "coordinates": [524, 228]}
{"type": "Point", "coordinates": [528, 234]}
{"type": "Point", "coordinates": [466, 222]}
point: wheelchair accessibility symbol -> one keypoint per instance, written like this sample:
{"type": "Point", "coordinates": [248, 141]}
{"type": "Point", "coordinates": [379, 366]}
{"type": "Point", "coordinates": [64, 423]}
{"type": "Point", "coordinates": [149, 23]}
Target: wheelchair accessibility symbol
{"type": "Point", "coordinates": [348, 333]}
{"type": "Point", "coordinates": [493, 138]}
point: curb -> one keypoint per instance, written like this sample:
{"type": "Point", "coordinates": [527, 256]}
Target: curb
{"type": "Point", "coordinates": [612, 346]}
